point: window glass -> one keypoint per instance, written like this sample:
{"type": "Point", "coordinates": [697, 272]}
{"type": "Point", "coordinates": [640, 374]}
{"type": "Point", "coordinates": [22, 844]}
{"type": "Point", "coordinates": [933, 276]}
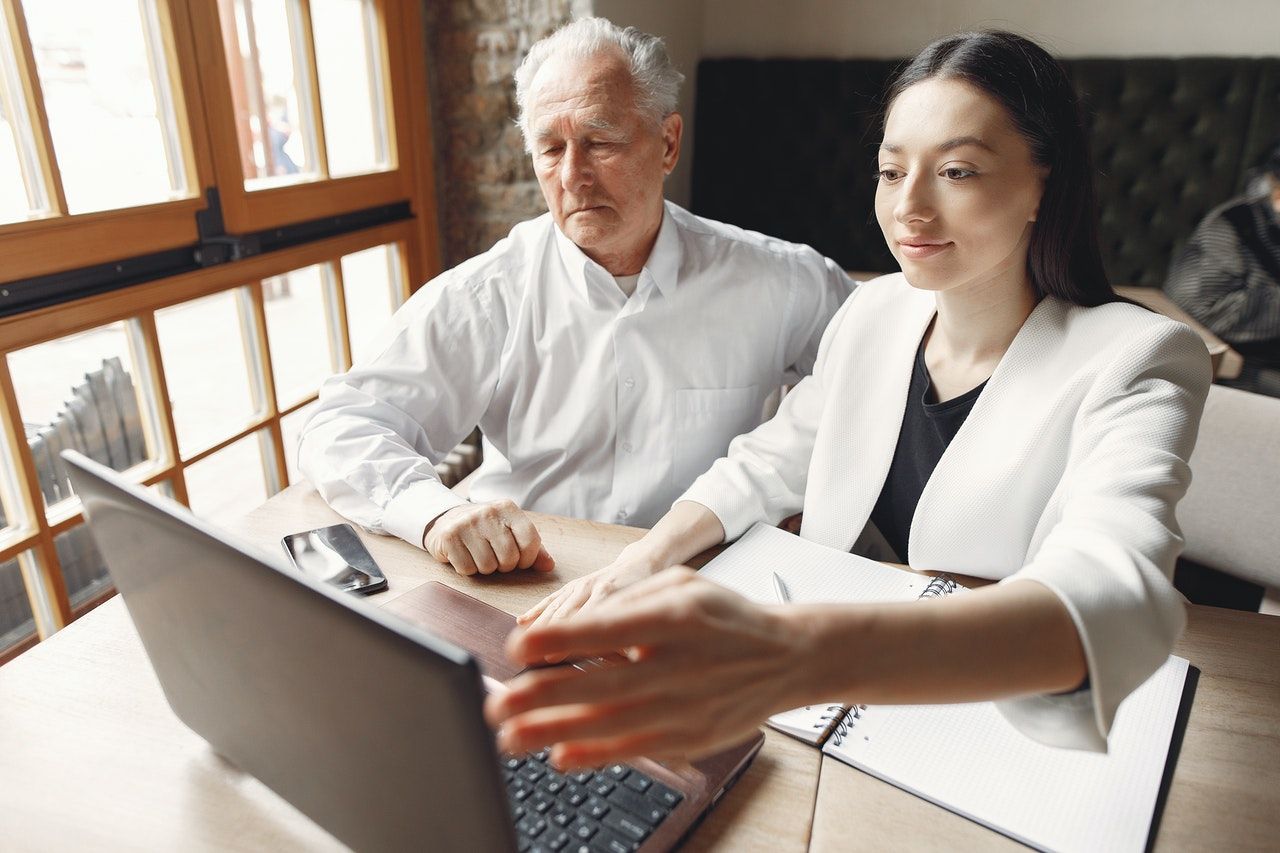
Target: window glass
{"type": "Point", "coordinates": [230, 483]}
{"type": "Point", "coordinates": [21, 188]}
{"type": "Point", "coordinates": [105, 82]}
{"type": "Point", "coordinates": [291, 429]}
{"type": "Point", "coordinates": [81, 392]}
{"type": "Point", "coordinates": [16, 621]}
{"type": "Point", "coordinates": [206, 365]}
{"type": "Point", "coordinates": [83, 568]}
{"type": "Point", "coordinates": [372, 281]}
{"type": "Point", "coordinates": [302, 353]}
{"type": "Point", "coordinates": [351, 98]}
{"type": "Point", "coordinates": [269, 89]}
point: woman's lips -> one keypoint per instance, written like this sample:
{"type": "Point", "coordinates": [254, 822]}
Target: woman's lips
{"type": "Point", "coordinates": [917, 251]}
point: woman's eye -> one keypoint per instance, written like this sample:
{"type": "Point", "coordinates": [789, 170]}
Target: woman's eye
{"type": "Point", "coordinates": [888, 175]}
{"type": "Point", "coordinates": [957, 174]}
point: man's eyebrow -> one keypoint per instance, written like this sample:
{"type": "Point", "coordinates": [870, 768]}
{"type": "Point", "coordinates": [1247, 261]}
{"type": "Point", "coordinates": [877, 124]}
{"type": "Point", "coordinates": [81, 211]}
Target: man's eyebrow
{"type": "Point", "coordinates": [951, 144]}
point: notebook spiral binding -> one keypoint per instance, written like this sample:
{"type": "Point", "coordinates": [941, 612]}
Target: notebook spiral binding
{"type": "Point", "coordinates": [847, 721]}
{"type": "Point", "coordinates": [939, 586]}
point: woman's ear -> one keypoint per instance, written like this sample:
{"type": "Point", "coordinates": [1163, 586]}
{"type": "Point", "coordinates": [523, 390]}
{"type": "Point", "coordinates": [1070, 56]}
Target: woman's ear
{"type": "Point", "coordinates": [1043, 172]}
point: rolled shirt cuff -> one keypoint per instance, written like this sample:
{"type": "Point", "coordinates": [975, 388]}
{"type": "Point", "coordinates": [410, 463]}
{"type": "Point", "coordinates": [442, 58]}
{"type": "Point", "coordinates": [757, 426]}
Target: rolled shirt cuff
{"type": "Point", "coordinates": [408, 513]}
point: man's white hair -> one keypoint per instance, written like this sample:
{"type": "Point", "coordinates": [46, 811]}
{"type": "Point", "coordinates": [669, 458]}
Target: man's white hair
{"type": "Point", "coordinates": [655, 80]}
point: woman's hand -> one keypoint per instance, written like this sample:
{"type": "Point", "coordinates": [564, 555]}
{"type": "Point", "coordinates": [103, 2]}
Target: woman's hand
{"type": "Point", "coordinates": [634, 563]}
{"type": "Point", "coordinates": [706, 668]}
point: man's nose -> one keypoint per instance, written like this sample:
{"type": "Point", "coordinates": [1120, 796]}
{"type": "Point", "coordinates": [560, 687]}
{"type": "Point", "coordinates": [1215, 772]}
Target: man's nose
{"type": "Point", "coordinates": [915, 200]}
{"type": "Point", "coordinates": [575, 168]}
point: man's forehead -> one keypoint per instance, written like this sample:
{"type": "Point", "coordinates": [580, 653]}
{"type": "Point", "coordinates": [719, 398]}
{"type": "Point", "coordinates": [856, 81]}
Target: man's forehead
{"type": "Point", "coordinates": [597, 86]}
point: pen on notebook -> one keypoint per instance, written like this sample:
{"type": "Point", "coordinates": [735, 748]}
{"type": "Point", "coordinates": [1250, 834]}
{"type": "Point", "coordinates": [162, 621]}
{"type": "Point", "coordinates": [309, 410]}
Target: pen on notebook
{"type": "Point", "coordinates": [780, 589]}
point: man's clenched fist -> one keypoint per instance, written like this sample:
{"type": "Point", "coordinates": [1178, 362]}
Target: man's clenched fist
{"type": "Point", "coordinates": [486, 538]}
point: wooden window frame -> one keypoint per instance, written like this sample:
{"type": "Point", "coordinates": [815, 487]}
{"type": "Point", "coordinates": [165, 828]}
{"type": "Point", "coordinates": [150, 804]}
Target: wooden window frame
{"type": "Point", "coordinates": [247, 211]}
{"type": "Point", "coordinates": [37, 247]}
{"type": "Point", "coordinates": [39, 526]}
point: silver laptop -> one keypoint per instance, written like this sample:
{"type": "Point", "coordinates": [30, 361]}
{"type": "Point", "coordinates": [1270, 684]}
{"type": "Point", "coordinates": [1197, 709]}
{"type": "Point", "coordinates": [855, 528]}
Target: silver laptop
{"type": "Point", "coordinates": [368, 725]}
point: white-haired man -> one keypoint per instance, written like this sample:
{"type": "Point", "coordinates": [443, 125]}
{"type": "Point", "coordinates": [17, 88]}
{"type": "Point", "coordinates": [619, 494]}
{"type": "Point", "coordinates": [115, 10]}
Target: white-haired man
{"type": "Point", "coordinates": [609, 350]}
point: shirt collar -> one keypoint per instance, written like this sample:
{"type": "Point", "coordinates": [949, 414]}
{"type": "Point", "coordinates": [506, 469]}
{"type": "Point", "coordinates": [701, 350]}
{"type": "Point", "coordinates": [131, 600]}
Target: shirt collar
{"type": "Point", "coordinates": [662, 267]}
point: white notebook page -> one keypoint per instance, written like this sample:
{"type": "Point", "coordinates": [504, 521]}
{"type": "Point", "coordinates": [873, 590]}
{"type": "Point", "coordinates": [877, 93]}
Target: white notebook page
{"type": "Point", "coordinates": [971, 760]}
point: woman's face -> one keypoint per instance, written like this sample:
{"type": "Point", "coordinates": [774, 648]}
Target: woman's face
{"type": "Point", "coordinates": [958, 188]}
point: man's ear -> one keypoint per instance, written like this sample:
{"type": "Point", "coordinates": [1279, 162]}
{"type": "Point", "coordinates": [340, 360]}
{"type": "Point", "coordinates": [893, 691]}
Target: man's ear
{"type": "Point", "coordinates": [672, 131]}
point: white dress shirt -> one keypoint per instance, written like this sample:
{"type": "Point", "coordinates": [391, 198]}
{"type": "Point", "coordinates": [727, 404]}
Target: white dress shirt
{"type": "Point", "coordinates": [593, 404]}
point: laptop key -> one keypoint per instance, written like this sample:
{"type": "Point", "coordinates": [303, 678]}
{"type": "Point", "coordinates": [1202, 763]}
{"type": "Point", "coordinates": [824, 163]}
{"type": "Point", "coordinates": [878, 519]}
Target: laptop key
{"type": "Point", "coordinates": [617, 771]}
{"type": "Point", "coordinates": [512, 762]}
{"type": "Point", "coordinates": [561, 816]}
{"type": "Point", "coordinates": [573, 794]}
{"type": "Point", "coordinates": [600, 787]}
{"type": "Point", "coordinates": [556, 840]}
{"type": "Point", "coordinates": [532, 771]}
{"type": "Point", "coordinates": [582, 777]}
{"type": "Point", "coordinates": [606, 842]}
{"type": "Point", "coordinates": [626, 825]}
{"type": "Point", "coordinates": [584, 828]}
{"type": "Point", "coordinates": [530, 826]}
{"type": "Point", "coordinates": [638, 782]}
{"type": "Point", "coordinates": [639, 806]}
{"type": "Point", "coordinates": [539, 801]}
{"type": "Point", "coordinates": [553, 782]}
{"type": "Point", "coordinates": [595, 808]}
{"type": "Point", "coordinates": [664, 795]}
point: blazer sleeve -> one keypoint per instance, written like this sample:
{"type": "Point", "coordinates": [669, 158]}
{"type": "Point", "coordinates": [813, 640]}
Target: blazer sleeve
{"type": "Point", "coordinates": [1110, 552]}
{"type": "Point", "coordinates": [764, 474]}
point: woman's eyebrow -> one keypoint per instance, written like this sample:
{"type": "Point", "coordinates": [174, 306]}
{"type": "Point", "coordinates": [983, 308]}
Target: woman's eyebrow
{"type": "Point", "coordinates": [952, 143]}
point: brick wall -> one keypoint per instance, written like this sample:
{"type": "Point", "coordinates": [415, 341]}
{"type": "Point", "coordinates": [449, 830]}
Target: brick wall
{"type": "Point", "coordinates": [485, 178]}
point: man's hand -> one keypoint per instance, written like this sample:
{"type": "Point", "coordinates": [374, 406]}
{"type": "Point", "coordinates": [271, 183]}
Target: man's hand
{"type": "Point", "coordinates": [633, 564]}
{"type": "Point", "coordinates": [486, 538]}
{"type": "Point", "coordinates": [706, 667]}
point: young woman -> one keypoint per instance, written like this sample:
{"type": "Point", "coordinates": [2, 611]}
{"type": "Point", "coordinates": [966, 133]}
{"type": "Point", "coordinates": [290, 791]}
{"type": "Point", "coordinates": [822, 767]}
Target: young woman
{"type": "Point", "coordinates": [994, 410]}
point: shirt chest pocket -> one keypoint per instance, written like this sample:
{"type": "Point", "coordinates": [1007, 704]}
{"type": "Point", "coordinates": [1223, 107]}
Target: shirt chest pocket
{"type": "Point", "coordinates": [706, 420]}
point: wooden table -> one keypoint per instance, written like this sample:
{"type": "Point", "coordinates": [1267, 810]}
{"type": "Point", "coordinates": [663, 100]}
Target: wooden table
{"type": "Point", "coordinates": [91, 757]}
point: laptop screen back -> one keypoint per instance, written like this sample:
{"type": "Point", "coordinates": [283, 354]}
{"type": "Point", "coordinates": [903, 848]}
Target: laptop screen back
{"type": "Point", "coordinates": [367, 725]}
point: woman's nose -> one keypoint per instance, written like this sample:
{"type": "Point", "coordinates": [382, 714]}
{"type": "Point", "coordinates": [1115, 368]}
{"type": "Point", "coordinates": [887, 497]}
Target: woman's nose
{"type": "Point", "coordinates": [915, 201]}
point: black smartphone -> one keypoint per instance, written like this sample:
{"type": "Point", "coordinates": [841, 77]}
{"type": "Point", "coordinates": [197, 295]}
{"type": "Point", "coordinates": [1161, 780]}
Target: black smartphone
{"type": "Point", "coordinates": [336, 556]}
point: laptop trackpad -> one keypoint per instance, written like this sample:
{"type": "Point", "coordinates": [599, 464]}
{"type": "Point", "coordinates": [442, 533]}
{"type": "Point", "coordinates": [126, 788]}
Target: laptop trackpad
{"type": "Point", "coordinates": [463, 620]}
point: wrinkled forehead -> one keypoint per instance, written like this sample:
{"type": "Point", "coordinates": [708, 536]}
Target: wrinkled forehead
{"type": "Point", "coordinates": [593, 91]}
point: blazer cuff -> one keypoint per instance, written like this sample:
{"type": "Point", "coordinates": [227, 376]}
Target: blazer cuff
{"type": "Point", "coordinates": [408, 513]}
{"type": "Point", "coordinates": [736, 515]}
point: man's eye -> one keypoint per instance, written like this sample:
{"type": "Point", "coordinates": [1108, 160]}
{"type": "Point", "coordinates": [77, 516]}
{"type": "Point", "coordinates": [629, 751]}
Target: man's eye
{"type": "Point", "coordinates": [551, 150]}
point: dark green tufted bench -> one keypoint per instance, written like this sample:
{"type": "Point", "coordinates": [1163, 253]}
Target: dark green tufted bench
{"type": "Point", "coordinates": [787, 147]}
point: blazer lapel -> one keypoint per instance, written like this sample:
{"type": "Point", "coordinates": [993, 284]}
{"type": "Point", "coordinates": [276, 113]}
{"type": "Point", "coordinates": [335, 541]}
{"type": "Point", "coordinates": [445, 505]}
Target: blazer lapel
{"type": "Point", "coordinates": [866, 397]}
{"type": "Point", "coordinates": [973, 511]}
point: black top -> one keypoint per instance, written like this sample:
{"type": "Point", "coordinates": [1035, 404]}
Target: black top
{"type": "Point", "coordinates": [927, 428]}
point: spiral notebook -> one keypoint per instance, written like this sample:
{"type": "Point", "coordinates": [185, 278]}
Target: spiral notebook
{"type": "Point", "coordinates": [966, 757]}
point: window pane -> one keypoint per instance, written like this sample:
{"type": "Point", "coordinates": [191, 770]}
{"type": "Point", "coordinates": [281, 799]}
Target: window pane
{"type": "Point", "coordinates": [16, 621]}
{"type": "Point", "coordinates": [291, 428]}
{"type": "Point", "coordinates": [203, 346]}
{"type": "Point", "coordinates": [83, 568]}
{"type": "Point", "coordinates": [229, 483]}
{"type": "Point", "coordinates": [81, 392]}
{"type": "Point", "coordinates": [372, 281]}
{"type": "Point", "coordinates": [351, 96]}
{"type": "Point", "coordinates": [298, 333]}
{"type": "Point", "coordinates": [21, 188]}
{"type": "Point", "coordinates": [269, 88]}
{"type": "Point", "coordinates": [107, 93]}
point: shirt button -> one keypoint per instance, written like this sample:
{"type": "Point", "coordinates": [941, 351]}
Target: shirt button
{"type": "Point", "coordinates": [626, 447]}
{"type": "Point", "coordinates": [629, 382]}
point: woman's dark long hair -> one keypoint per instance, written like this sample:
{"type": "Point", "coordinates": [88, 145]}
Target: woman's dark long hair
{"type": "Point", "coordinates": [1064, 258]}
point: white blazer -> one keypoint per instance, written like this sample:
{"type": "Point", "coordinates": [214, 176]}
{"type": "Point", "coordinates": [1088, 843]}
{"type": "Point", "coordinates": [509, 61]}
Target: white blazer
{"type": "Point", "coordinates": [1066, 471]}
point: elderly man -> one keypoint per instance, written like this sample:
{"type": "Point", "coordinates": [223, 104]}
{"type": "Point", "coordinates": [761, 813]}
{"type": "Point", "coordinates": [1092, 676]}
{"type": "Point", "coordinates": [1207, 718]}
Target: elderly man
{"type": "Point", "coordinates": [609, 350]}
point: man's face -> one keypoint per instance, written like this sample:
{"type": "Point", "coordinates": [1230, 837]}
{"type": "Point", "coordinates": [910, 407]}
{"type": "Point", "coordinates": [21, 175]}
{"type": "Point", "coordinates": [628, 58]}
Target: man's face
{"type": "Point", "coordinates": [599, 160]}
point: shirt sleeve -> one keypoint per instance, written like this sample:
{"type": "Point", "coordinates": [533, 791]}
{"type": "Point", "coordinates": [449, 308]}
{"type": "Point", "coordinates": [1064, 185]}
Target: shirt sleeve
{"type": "Point", "coordinates": [819, 288]}
{"type": "Point", "coordinates": [371, 447]}
{"type": "Point", "coordinates": [1218, 282]}
{"type": "Point", "coordinates": [765, 472]}
{"type": "Point", "coordinates": [1109, 556]}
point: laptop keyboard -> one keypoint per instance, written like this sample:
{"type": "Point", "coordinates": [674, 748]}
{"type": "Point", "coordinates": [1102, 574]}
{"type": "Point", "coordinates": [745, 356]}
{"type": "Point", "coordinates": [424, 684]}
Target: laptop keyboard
{"type": "Point", "coordinates": [603, 811]}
